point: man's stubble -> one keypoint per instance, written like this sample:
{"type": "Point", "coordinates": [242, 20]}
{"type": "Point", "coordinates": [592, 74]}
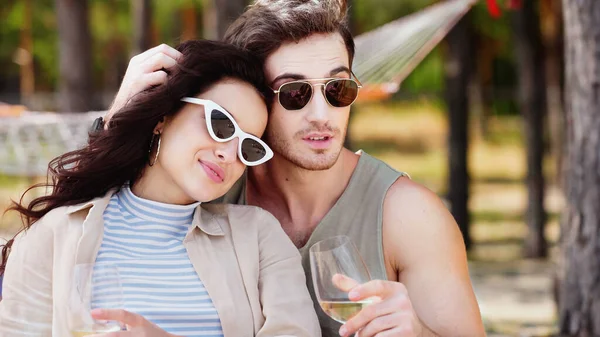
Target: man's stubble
{"type": "Point", "coordinates": [308, 159]}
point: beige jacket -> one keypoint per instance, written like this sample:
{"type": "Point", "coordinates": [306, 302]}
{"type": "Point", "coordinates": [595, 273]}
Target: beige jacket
{"type": "Point", "coordinates": [249, 266]}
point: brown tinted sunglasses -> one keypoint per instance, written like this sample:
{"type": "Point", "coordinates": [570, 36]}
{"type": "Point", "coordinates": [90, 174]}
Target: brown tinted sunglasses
{"type": "Point", "coordinates": [338, 92]}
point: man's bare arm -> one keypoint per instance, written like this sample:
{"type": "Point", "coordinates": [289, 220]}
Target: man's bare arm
{"type": "Point", "coordinates": [423, 244]}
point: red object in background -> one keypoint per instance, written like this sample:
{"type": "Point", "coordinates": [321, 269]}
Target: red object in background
{"type": "Point", "coordinates": [494, 9]}
{"type": "Point", "coordinates": [515, 4]}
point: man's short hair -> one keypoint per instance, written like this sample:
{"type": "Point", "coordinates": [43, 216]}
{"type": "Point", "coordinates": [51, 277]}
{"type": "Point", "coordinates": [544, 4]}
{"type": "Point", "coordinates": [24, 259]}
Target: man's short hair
{"type": "Point", "coordinates": [267, 24]}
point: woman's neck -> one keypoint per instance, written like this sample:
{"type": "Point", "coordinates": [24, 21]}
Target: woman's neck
{"type": "Point", "coordinates": [155, 186]}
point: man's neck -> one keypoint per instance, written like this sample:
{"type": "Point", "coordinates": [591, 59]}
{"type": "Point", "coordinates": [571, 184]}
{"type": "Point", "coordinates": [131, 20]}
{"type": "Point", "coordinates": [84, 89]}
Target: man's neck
{"type": "Point", "coordinates": [299, 198]}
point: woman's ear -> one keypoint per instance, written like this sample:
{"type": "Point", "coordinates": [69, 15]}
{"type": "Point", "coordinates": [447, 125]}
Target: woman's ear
{"type": "Point", "coordinates": [160, 126]}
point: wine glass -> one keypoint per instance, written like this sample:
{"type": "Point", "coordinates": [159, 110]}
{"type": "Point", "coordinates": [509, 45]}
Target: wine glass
{"type": "Point", "coordinates": [94, 286]}
{"type": "Point", "coordinates": [333, 262]}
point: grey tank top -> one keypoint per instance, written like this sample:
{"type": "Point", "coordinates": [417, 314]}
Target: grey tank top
{"type": "Point", "coordinates": [357, 214]}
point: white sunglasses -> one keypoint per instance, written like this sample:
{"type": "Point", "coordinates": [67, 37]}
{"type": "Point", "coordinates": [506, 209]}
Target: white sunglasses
{"type": "Point", "coordinates": [222, 128]}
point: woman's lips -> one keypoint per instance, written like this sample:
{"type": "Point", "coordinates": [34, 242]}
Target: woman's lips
{"type": "Point", "coordinates": [213, 171]}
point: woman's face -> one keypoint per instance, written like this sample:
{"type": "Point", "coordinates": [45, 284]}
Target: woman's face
{"type": "Point", "coordinates": [193, 165]}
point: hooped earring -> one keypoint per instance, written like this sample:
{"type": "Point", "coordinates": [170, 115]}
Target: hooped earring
{"type": "Point", "coordinates": [151, 163]}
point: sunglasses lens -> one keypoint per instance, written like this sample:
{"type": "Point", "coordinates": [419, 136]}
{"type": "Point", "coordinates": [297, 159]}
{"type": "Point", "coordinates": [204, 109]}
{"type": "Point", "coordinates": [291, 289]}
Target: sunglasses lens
{"type": "Point", "coordinates": [341, 93]}
{"type": "Point", "coordinates": [295, 96]}
{"type": "Point", "coordinates": [252, 150]}
{"type": "Point", "coordinates": [222, 126]}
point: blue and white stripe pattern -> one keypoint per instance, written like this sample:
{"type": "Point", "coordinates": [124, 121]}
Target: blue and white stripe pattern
{"type": "Point", "coordinates": [144, 239]}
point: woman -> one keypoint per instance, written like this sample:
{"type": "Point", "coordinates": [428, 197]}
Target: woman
{"type": "Point", "coordinates": [132, 200]}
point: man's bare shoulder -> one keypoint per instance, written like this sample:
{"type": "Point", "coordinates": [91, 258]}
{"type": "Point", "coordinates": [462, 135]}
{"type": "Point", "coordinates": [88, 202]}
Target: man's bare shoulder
{"type": "Point", "coordinates": [417, 225]}
{"type": "Point", "coordinates": [406, 199]}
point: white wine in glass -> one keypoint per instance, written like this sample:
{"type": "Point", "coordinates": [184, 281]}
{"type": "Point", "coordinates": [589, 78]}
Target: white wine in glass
{"type": "Point", "coordinates": [94, 286]}
{"type": "Point", "coordinates": [102, 328]}
{"type": "Point", "coordinates": [335, 257]}
{"type": "Point", "coordinates": [343, 309]}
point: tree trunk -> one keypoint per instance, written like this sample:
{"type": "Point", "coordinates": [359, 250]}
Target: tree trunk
{"type": "Point", "coordinates": [142, 25]}
{"type": "Point", "coordinates": [552, 31]}
{"type": "Point", "coordinates": [75, 62]}
{"type": "Point", "coordinates": [458, 73]}
{"type": "Point", "coordinates": [227, 12]}
{"type": "Point", "coordinates": [189, 30]}
{"type": "Point", "coordinates": [25, 57]}
{"type": "Point", "coordinates": [209, 20]}
{"type": "Point", "coordinates": [579, 305]}
{"type": "Point", "coordinates": [532, 103]}
{"type": "Point", "coordinates": [117, 51]}
{"type": "Point", "coordinates": [481, 84]}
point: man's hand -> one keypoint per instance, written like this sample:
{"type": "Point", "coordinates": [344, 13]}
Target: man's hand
{"type": "Point", "coordinates": [391, 314]}
{"type": "Point", "coordinates": [144, 71]}
{"type": "Point", "coordinates": [137, 325]}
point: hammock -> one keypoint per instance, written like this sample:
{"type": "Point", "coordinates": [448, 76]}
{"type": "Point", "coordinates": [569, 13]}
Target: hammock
{"type": "Point", "coordinates": [28, 142]}
{"type": "Point", "coordinates": [387, 55]}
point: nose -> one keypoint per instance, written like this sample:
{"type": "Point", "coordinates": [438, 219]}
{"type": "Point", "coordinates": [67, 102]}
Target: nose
{"type": "Point", "coordinates": [227, 152]}
{"type": "Point", "coordinates": [318, 108]}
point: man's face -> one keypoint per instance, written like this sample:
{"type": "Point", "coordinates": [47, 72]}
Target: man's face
{"type": "Point", "coordinates": [312, 137]}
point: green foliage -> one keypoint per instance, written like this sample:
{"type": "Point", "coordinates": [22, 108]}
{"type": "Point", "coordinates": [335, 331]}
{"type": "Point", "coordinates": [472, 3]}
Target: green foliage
{"type": "Point", "coordinates": [370, 14]}
{"type": "Point", "coordinates": [45, 43]}
{"type": "Point", "coordinates": [110, 28]}
{"type": "Point", "coordinates": [111, 31]}
{"type": "Point", "coordinates": [166, 19]}
{"type": "Point", "coordinates": [10, 17]}
{"type": "Point", "coordinates": [428, 76]}
{"type": "Point", "coordinates": [109, 19]}
{"type": "Point", "coordinates": [497, 29]}
{"type": "Point", "coordinates": [44, 40]}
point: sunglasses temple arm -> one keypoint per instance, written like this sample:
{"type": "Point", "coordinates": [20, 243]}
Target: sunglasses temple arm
{"type": "Point", "coordinates": [360, 85]}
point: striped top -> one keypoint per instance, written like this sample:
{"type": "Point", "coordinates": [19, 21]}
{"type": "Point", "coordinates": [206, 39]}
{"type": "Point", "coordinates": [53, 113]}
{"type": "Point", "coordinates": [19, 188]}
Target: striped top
{"type": "Point", "coordinates": [144, 239]}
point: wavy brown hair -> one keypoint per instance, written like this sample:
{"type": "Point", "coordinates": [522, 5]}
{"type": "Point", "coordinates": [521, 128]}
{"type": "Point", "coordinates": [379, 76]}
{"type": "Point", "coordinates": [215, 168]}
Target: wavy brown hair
{"type": "Point", "coordinates": [267, 24]}
{"type": "Point", "coordinates": [119, 154]}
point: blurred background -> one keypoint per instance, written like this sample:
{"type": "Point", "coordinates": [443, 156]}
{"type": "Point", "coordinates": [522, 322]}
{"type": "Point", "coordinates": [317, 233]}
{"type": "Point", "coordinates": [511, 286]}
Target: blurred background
{"type": "Point", "coordinates": [477, 117]}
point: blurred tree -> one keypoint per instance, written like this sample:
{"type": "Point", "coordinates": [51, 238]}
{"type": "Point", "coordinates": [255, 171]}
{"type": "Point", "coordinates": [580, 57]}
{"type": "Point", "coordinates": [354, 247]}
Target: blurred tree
{"type": "Point", "coordinates": [458, 73]}
{"type": "Point", "coordinates": [495, 66]}
{"type": "Point", "coordinates": [111, 27]}
{"type": "Point", "coordinates": [24, 55]}
{"type": "Point", "coordinates": [209, 18]}
{"type": "Point", "coordinates": [44, 49]}
{"type": "Point", "coordinates": [490, 42]}
{"type": "Point", "coordinates": [142, 25]}
{"type": "Point", "coordinates": [552, 32]}
{"type": "Point", "coordinates": [532, 104]}
{"type": "Point", "coordinates": [370, 14]}
{"type": "Point", "coordinates": [481, 82]}
{"type": "Point", "coordinates": [189, 27]}
{"type": "Point", "coordinates": [226, 12]}
{"type": "Point", "coordinates": [579, 299]}
{"type": "Point", "coordinates": [75, 61]}
{"type": "Point", "coordinates": [167, 22]}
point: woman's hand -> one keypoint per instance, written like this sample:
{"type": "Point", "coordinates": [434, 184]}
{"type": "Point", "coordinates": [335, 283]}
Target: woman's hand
{"type": "Point", "coordinates": [144, 71]}
{"type": "Point", "coordinates": [137, 325]}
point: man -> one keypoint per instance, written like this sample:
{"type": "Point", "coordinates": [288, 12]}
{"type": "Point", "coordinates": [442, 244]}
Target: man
{"type": "Point", "coordinates": [318, 189]}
